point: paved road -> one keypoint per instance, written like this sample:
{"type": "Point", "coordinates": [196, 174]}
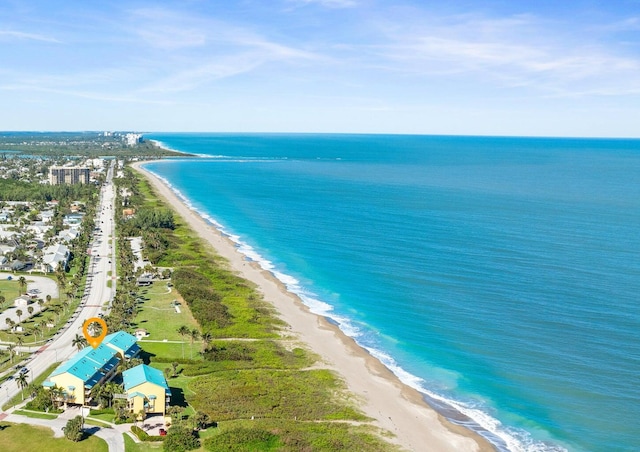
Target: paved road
{"type": "Point", "coordinates": [101, 266]}
{"type": "Point", "coordinates": [112, 436]}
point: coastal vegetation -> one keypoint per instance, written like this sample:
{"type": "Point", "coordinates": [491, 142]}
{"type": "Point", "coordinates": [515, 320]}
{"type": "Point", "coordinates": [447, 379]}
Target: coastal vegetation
{"type": "Point", "coordinates": [224, 351]}
{"type": "Point", "coordinates": [88, 144]}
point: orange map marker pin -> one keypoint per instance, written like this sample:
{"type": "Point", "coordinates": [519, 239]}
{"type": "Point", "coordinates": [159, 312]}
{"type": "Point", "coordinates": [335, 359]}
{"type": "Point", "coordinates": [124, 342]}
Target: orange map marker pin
{"type": "Point", "coordinates": [94, 341]}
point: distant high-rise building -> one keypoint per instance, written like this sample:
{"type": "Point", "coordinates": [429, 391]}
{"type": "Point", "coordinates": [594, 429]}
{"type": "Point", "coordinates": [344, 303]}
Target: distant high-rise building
{"type": "Point", "coordinates": [59, 175]}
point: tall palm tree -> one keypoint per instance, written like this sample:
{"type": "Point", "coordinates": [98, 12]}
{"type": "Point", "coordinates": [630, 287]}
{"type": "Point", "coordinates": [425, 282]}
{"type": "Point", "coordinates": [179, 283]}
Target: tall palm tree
{"type": "Point", "coordinates": [22, 283]}
{"type": "Point", "coordinates": [184, 331]}
{"type": "Point", "coordinates": [12, 351]}
{"type": "Point", "coordinates": [22, 382]}
{"type": "Point", "coordinates": [206, 339]}
{"type": "Point", "coordinates": [79, 342]}
{"type": "Point", "coordinates": [194, 334]}
{"type": "Point", "coordinates": [19, 314]}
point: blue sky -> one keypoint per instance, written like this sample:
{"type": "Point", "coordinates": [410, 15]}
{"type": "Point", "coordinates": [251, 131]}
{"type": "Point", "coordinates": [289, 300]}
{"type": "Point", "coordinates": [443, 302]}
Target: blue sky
{"type": "Point", "coordinates": [501, 67]}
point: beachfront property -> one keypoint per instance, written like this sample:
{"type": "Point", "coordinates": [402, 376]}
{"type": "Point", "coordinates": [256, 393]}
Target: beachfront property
{"type": "Point", "coordinates": [59, 175]}
{"type": "Point", "coordinates": [77, 376]}
{"type": "Point", "coordinates": [89, 367]}
{"type": "Point", "coordinates": [146, 389]}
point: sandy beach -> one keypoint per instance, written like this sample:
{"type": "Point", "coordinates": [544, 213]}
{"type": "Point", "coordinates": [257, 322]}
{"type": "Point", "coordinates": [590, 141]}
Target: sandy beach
{"type": "Point", "coordinates": [395, 406]}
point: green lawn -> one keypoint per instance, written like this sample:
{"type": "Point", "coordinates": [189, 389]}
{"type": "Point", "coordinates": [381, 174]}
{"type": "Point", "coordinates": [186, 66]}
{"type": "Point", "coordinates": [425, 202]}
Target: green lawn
{"type": "Point", "coordinates": [35, 415]}
{"type": "Point", "coordinates": [9, 289]}
{"type": "Point", "coordinates": [29, 438]}
{"type": "Point", "coordinates": [131, 446]}
{"type": "Point", "coordinates": [159, 317]}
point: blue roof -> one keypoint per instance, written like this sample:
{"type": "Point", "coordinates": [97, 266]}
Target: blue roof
{"type": "Point", "coordinates": [123, 341]}
{"type": "Point", "coordinates": [89, 364]}
{"type": "Point", "coordinates": [142, 374]}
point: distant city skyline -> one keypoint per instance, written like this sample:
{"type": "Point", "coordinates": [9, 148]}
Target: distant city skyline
{"type": "Point", "coordinates": [488, 67]}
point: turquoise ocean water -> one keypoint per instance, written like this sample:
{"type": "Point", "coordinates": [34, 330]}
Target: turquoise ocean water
{"type": "Point", "coordinates": [500, 276]}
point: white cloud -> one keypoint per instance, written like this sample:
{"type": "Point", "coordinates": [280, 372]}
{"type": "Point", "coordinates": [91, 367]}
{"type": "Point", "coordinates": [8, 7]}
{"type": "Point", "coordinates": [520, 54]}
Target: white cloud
{"type": "Point", "coordinates": [327, 3]}
{"type": "Point", "coordinates": [26, 36]}
{"type": "Point", "coordinates": [517, 51]}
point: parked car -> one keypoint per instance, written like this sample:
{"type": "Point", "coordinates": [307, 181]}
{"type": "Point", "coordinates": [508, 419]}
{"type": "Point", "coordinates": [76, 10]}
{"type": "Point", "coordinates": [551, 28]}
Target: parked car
{"type": "Point", "coordinates": [163, 432]}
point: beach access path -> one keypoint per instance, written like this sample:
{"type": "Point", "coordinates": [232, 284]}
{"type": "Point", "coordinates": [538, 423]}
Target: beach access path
{"type": "Point", "coordinates": [395, 406]}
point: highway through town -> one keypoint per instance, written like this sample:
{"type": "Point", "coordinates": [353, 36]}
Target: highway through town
{"type": "Point", "coordinates": [97, 294]}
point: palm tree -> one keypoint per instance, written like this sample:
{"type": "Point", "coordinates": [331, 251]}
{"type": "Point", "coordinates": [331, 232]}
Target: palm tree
{"type": "Point", "coordinates": [184, 331]}
{"type": "Point", "coordinates": [48, 298]}
{"type": "Point", "coordinates": [19, 314]}
{"type": "Point", "coordinates": [12, 351]}
{"type": "Point", "coordinates": [22, 382]}
{"type": "Point", "coordinates": [56, 394]}
{"type": "Point", "coordinates": [79, 342]}
{"type": "Point", "coordinates": [206, 339]}
{"type": "Point", "coordinates": [22, 283]}
{"type": "Point", "coordinates": [194, 334]}
{"type": "Point", "coordinates": [30, 309]}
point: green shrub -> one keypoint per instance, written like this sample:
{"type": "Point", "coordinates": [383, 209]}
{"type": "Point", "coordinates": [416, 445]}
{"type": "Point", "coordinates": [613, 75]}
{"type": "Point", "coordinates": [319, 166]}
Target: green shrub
{"type": "Point", "coordinates": [73, 429]}
{"type": "Point", "coordinates": [144, 436]}
{"type": "Point", "coordinates": [243, 439]}
{"type": "Point", "coordinates": [180, 439]}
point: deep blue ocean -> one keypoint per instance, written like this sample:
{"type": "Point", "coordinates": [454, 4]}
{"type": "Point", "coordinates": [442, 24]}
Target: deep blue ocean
{"type": "Point", "coordinates": [499, 275]}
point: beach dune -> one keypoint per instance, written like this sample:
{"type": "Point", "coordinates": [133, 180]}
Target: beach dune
{"type": "Point", "coordinates": [395, 406]}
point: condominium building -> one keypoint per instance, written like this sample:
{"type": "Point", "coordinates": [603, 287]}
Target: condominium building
{"type": "Point", "coordinates": [59, 175]}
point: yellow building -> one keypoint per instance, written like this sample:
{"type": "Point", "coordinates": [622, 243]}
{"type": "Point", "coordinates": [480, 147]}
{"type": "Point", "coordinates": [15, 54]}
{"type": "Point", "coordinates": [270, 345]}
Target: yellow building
{"type": "Point", "coordinates": [88, 368]}
{"type": "Point", "coordinates": [146, 389]}
{"type": "Point", "coordinates": [123, 343]}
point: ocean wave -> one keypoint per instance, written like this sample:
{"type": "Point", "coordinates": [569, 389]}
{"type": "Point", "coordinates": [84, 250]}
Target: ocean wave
{"type": "Point", "coordinates": [504, 438]}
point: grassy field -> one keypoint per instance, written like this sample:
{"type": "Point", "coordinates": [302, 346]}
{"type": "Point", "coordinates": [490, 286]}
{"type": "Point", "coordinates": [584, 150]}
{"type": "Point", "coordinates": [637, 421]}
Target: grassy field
{"type": "Point", "coordinates": [36, 414]}
{"type": "Point", "coordinates": [131, 446]}
{"type": "Point", "coordinates": [10, 289]}
{"type": "Point", "coordinates": [158, 316]}
{"type": "Point", "coordinates": [28, 438]}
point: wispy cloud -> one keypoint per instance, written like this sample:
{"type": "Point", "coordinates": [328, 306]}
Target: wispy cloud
{"type": "Point", "coordinates": [198, 50]}
{"type": "Point", "coordinates": [516, 51]}
{"type": "Point", "coordinates": [11, 34]}
{"type": "Point", "coordinates": [326, 3]}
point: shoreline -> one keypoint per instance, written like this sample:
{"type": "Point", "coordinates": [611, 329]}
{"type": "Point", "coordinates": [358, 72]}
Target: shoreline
{"type": "Point", "coordinates": [394, 406]}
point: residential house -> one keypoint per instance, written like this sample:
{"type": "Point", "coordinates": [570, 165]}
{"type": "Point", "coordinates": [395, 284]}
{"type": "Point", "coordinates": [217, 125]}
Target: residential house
{"type": "Point", "coordinates": [67, 235]}
{"type": "Point", "coordinates": [22, 301]}
{"type": "Point", "coordinates": [53, 256]}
